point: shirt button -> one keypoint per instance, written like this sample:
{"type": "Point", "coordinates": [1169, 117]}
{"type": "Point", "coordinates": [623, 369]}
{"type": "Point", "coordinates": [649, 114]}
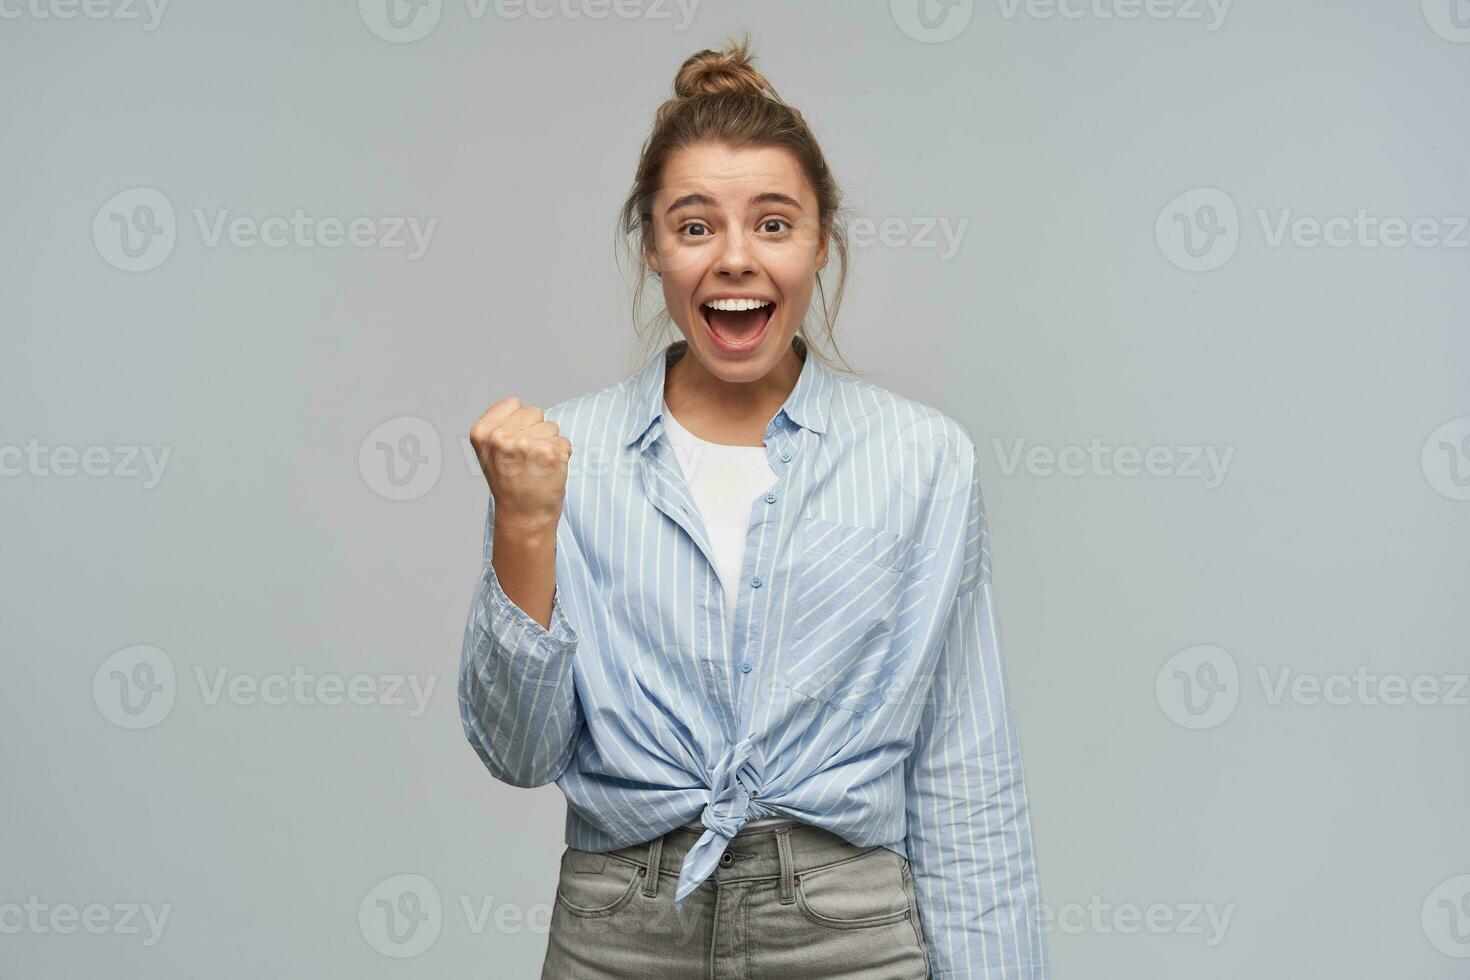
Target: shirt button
{"type": "Point", "coordinates": [745, 668]}
{"type": "Point", "coordinates": [770, 498]}
{"type": "Point", "coordinates": [756, 582]}
{"type": "Point", "coordinates": [785, 457]}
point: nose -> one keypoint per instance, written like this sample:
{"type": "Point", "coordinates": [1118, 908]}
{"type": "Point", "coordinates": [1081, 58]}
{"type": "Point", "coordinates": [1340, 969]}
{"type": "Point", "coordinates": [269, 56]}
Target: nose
{"type": "Point", "coordinates": [735, 258]}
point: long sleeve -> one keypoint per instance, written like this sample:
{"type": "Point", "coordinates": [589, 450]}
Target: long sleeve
{"type": "Point", "coordinates": [517, 698]}
{"type": "Point", "coordinates": [969, 833]}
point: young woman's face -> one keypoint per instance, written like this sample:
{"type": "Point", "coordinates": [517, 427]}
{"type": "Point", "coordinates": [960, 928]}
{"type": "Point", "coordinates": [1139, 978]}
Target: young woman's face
{"type": "Point", "coordinates": [743, 223]}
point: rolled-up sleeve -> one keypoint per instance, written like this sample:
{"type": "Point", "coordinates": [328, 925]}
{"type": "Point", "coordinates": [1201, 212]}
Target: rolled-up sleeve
{"type": "Point", "coordinates": [517, 697]}
{"type": "Point", "coordinates": [969, 833]}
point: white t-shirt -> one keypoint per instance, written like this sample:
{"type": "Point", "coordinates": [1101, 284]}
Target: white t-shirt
{"type": "Point", "coordinates": [725, 481]}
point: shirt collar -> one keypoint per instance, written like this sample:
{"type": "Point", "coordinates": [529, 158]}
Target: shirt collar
{"type": "Point", "coordinates": [807, 405]}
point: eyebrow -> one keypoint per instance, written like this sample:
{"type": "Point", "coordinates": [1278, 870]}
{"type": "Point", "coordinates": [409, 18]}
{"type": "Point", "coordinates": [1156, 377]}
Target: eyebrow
{"type": "Point", "coordinates": [769, 197]}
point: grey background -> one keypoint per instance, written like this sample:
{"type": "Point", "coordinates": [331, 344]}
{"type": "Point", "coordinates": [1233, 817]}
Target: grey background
{"type": "Point", "coordinates": [1332, 835]}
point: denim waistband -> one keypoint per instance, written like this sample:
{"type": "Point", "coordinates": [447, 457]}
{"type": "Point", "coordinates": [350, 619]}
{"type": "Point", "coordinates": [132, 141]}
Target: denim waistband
{"type": "Point", "coordinates": [755, 852]}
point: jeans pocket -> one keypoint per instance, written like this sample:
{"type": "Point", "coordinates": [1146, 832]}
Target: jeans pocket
{"type": "Point", "coordinates": [856, 893]}
{"type": "Point", "coordinates": [594, 885]}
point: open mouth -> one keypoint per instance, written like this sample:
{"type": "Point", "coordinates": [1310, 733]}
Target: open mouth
{"type": "Point", "coordinates": [737, 325]}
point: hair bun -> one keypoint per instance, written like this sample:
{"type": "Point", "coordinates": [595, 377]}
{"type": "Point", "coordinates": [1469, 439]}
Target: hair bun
{"type": "Point", "coordinates": [722, 72]}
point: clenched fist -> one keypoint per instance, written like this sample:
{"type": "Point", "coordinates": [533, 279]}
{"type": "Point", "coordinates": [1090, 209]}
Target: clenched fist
{"type": "Point", "coordinates": [524, 457]}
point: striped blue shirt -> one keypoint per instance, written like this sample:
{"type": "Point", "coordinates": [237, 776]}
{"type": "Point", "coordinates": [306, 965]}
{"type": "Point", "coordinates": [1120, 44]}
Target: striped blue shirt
{"type": "Point", "coordinates": [860, 687]}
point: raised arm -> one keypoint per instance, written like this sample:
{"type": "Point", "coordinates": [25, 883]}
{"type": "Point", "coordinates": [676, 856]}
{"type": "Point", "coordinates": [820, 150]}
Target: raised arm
{"type": "Point", "coordinates": [517, 699]}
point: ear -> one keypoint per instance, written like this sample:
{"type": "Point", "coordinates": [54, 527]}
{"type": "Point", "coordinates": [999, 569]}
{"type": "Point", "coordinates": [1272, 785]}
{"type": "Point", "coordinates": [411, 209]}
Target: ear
{"type": "Point", "coordinates": [651, 259]}
{"type": "Point", "coordinates": [822, 249]}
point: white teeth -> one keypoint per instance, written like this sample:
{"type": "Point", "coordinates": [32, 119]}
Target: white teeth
{"type": "Point", "coordinates": [736, 305]}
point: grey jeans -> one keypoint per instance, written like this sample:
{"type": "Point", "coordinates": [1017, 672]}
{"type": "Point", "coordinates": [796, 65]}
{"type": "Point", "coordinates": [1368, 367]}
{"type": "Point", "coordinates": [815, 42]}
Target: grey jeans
{"type": "Point", "coordinates": [786, 901]}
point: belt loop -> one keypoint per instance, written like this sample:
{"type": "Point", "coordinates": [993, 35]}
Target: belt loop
{"type": "Point", "coordinates": [783, 846]}
{"type": "Point", "coordinates": [655, 857]}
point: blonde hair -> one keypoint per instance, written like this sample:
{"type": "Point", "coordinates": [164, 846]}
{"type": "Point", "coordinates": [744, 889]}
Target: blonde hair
{"type": "Point", "coordinates": [719, 97]}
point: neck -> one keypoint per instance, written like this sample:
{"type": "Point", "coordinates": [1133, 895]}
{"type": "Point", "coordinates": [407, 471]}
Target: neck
{"type": "Point", "coordinates": [729, 412]}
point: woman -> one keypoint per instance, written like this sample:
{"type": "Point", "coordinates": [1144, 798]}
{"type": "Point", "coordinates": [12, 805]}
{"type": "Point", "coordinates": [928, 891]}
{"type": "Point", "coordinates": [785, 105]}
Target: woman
{"type": "Point", "coordinates": [751, 635]}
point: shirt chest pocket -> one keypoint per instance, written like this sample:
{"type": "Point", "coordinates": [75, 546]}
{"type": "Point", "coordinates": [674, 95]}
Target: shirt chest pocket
{"type": "Point", "coordinates": [852, 641]}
